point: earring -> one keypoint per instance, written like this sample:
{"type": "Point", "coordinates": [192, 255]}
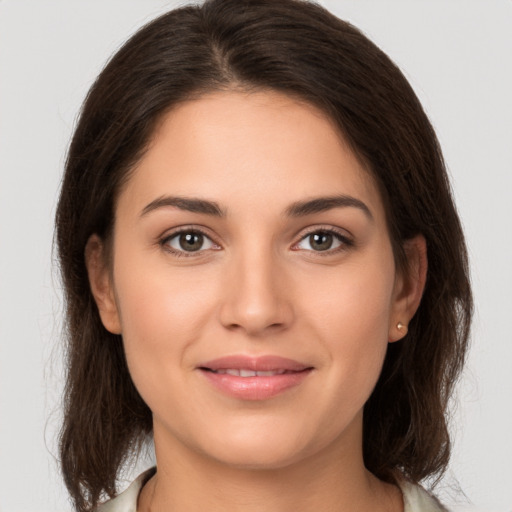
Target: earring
{"type": "Point", "coordinates": [400, 326]}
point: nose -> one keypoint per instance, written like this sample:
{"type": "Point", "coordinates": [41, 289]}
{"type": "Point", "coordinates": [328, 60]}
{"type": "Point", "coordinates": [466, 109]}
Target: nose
{"type": "Point", "coordinates": [257, 297]}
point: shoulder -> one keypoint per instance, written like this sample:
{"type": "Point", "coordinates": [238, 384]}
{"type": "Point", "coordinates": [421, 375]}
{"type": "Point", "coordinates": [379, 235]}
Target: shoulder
{"type": "Point", "coordinates": [127, 500]}
{"type": "Point", "coordinates": [417, 499]}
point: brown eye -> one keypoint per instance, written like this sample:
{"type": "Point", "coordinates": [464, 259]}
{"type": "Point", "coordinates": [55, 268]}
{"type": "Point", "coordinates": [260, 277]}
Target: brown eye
{"type": "Point", "coordinates": [321, 241]}
{"type": "Point", "coordinates": [189, 241]}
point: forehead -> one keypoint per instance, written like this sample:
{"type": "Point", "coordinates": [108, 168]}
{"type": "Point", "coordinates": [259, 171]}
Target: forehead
{"type": "Point", "coordinates": [249, 150]}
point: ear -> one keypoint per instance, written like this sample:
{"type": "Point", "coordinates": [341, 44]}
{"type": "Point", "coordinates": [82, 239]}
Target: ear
{"type": "Point", "coordinates": [409, 286]}
{"type": "Point", "coordinates": [100, 282]}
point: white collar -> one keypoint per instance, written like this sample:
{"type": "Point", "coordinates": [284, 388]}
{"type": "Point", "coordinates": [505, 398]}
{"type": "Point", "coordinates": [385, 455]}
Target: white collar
{"type": "Point", "coordinates": [416, 498]}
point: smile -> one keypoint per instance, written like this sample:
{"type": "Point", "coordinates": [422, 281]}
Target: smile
{"type": "Point", "coordinates": [250, 373]}
{"type": "Point", "coordinates": [254, 378]}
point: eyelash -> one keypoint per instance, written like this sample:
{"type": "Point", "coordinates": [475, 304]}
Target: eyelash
{"type": "Point", "coordinates": [345, 241]}
{"type": "Point", "coordinates": [164, 242]}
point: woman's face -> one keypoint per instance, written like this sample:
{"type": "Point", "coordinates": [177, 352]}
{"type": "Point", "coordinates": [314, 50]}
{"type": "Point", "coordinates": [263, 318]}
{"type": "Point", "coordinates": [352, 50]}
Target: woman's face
{"type": "Point", "coordinates": [250, 239]}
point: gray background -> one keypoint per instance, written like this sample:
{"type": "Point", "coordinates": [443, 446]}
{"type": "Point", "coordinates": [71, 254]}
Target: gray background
{"type": "Point", "coordinates": [457, 55]}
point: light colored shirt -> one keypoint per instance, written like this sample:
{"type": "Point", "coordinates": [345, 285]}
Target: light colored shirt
{"type": "Point", "coordinates": [416, 499]}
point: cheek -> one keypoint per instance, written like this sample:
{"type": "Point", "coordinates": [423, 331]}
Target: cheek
{"type": "Point", "coordinates": [151, 311]}
{"type": "Point", "coordinates": [349, 311]}
{"type": "Point", "coordinates": [351, 302]}
{"type": "Point", "coordinates": [162, 314]}
{"type": "Point", "coordinates": [157, 300]}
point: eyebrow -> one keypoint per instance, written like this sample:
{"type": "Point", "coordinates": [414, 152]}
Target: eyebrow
{"type": "Point", "coordinates": [297, 209]}
{"type": "Point", "coordinates": [322, 204]}
{"type": "Point", "coordinates": [187, 204]}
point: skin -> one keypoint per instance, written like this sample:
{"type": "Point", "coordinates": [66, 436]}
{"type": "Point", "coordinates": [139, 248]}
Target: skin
{"type": "Point", "coordinates": [258, 285]}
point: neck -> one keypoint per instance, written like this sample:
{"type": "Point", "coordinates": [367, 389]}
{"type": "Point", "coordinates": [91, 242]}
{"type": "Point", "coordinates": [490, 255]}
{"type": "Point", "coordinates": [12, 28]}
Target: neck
{"type": "Point", "coordinates": [330, 480]}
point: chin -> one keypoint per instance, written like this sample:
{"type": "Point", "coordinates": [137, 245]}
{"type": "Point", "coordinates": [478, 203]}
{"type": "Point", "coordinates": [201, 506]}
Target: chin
{"type": "Point", "coordinates": [257, 459]}
{"type": "Point", "coordinates": [258, 449]}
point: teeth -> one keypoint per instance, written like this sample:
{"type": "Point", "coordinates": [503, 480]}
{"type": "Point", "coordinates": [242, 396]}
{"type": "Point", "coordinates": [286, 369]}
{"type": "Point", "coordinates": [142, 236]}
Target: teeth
{"type": "Point", "coordinates": [249, 373]}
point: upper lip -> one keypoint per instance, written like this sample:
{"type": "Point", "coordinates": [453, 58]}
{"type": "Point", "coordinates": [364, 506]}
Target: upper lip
{"type": "Point", "coordinates": [264, 363]}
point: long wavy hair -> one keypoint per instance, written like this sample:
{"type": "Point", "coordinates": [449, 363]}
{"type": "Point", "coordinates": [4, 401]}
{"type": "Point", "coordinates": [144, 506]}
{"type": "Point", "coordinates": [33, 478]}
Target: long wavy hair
{"type": "Point", "coordinates": [300, 49]}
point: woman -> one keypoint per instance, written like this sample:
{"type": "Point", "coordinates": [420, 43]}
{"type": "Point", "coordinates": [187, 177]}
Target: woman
{"type": "Point", "coordinates": [264, 270]}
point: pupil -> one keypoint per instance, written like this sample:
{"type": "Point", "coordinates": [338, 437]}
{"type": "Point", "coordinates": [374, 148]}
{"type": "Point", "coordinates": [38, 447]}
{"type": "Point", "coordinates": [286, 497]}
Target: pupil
{"type": "Point", "coordinates": [321, 241]}
{"type": "Point", "coordinates": [191, 241]}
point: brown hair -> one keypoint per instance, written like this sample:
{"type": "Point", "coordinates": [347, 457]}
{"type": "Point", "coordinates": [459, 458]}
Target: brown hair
{"type": "Point", "coordinates": [297, 48]}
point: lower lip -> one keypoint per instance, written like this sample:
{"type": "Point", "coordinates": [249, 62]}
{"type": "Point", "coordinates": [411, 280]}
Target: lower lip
{"type": "Point", "coordinates": [255, 388]}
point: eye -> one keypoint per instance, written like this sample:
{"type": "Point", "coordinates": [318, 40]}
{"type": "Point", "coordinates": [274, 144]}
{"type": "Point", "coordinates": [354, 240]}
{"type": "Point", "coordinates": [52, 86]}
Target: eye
{"type": "Point", "coordinates": [189, 241]}
{"type": "Point", "coordinates": [322, 241]}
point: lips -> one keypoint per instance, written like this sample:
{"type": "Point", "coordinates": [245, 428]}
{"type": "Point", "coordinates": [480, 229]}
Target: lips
{"type": "Point", "coordinates": [249, 373]}
{"type": "Point", "coordinates": [254, 378]}
{"type": "Point", "coordinates": [267, 363]}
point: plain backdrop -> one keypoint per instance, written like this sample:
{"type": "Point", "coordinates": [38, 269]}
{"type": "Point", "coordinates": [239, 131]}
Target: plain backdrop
{"type": "Point", "coordinates": [457, 55]}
